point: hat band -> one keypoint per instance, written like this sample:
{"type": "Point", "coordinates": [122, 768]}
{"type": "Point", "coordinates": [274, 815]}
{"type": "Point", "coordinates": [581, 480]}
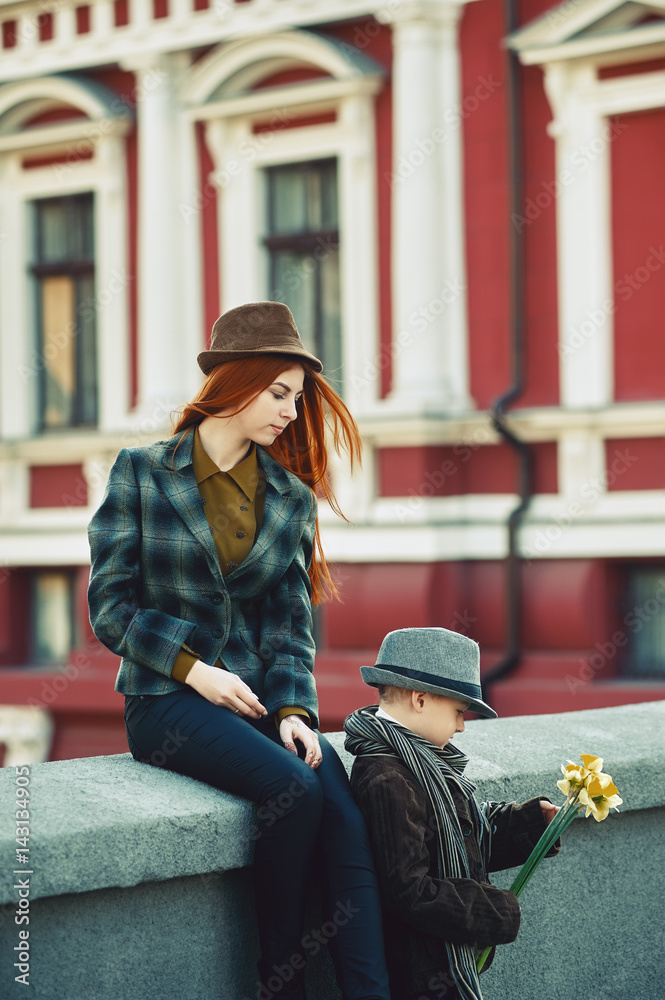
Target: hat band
{"type": "Point", "coordinates": [471, 690]}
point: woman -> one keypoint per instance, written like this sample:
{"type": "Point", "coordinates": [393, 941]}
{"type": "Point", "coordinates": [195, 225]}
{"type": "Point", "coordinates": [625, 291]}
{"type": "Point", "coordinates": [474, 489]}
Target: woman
{"type": "Point", "coordinates": [205, 559]}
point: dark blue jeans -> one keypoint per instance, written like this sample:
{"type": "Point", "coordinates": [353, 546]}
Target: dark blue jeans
{"type": "Point", "coordinates": [298, 809]}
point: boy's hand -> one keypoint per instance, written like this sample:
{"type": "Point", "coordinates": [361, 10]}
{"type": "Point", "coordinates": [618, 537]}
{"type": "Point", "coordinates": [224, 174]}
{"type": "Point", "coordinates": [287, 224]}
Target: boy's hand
{"type": "Point", "coordinates": [549, 810]}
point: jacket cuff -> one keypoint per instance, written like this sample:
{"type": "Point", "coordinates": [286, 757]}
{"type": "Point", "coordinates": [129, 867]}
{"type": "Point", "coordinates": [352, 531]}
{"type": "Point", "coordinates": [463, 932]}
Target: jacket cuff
{"type": "Point", "coordinates": [184, 662]}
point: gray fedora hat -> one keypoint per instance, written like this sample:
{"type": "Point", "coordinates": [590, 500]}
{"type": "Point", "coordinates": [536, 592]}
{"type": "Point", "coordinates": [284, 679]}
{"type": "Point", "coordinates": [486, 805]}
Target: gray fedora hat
{"type": "Point", "coordinates": [254, 328]}
{"type": "Point", "coordinates": [431, 659]}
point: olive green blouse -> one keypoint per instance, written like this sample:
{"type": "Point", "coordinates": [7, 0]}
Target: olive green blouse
{"type": "Point", "coordinates": [233, 504]}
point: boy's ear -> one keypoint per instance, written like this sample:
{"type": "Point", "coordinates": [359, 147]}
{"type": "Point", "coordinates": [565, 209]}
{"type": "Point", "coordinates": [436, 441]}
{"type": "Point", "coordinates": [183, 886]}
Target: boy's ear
{"type": "Point", "coordinates": [418, 699]}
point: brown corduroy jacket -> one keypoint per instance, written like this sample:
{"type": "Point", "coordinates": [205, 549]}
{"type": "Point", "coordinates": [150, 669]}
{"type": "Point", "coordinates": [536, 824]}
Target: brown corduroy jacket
{"type": "Point", "coordinates": [421, 911]}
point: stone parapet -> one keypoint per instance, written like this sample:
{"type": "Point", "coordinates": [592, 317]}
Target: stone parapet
{"type": "Point", "coordinates": [140, 879]}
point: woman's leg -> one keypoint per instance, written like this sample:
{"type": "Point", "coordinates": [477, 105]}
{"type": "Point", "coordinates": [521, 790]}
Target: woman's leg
{"type": "Point", "coordinates": [246, 759]}
{"type": "Point", "coordinates": [353, 912]}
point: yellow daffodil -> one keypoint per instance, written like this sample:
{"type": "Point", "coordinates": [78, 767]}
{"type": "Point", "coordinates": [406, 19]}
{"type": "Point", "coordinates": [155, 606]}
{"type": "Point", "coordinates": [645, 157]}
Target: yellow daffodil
{"type": "Point", "coordinates": [592, 763]}
{"type": "Point", "coordinates": [583, 784]}
{"type": "Point", "coordinates": [574, 777]}
{"type": "Point", "coordinates": [600, 795]}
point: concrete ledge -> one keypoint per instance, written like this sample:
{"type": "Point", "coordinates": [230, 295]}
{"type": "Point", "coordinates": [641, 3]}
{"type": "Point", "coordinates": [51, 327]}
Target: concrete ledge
{"type": "Point", "coordinates": [130, 861]}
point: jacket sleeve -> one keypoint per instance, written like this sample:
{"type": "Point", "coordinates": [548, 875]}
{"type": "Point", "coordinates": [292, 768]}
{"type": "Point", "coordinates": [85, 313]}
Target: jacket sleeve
{"type": "Point", "coordinates": [287, 643]}
{"type": "Point", "coordinates": [456, 910]}
{"type": "Point", "coordinates": [516, 830]}
{"type": "Point", "coordinates": [146, 636]}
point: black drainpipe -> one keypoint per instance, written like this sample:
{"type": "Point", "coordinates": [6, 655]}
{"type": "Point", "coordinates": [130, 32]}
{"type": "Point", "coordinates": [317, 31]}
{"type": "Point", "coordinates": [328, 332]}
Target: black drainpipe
{"type": "Point", "coordinates": [498, 409]}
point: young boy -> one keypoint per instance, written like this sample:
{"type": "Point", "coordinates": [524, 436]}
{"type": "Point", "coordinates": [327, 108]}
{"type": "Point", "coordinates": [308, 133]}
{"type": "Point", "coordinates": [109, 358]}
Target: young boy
{"type": "Point", "coordinates": [433, 842]}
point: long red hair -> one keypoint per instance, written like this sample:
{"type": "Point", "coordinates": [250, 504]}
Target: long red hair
{"type": "Point", "coordinates": [301, 447]}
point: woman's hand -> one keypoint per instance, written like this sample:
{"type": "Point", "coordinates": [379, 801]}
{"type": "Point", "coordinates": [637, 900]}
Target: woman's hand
{"type": "Point", "coordinates": [293, 727]}
{"type": "Point", "coordinates": [549, 810]}
{"type": "Point", "coordinates": [221, 687]}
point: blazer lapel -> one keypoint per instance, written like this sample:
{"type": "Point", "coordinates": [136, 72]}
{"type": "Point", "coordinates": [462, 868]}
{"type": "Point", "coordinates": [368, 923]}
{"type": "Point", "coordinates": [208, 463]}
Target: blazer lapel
{"type": "Point", "coordinates": [175, 478]}
{"type": "Point", "coordinates": [280, 509]}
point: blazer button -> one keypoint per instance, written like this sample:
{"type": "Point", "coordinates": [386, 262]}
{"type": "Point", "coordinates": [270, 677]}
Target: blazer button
{"type": "Point", "coordinates": [216, 598]}
{"type": "Point", "coordinates": [244, 508]}
{"type": "Point", "coordinates": [218, 633]}
{"type": "Point", "coordinates": [240, 534]}
{"type": "Point", "coordinates": [479, 869]}
{"type": "Point", "coordinates": [466, 830]}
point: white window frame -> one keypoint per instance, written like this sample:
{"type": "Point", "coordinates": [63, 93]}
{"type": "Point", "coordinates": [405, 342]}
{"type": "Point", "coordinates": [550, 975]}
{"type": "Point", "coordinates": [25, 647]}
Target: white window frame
{"type": "Point", "coordinates": [240, 159]}
{"type": "Point", "coordinates": [104, 174]}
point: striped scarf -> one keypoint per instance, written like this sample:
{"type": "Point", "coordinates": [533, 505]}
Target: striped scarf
{"type": "Point", "coordinates": [436, 769]}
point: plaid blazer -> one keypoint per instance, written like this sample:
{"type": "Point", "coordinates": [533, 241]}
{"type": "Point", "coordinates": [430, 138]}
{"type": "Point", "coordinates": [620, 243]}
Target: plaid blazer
{"type": "Point", "coordinates": [155, 581]}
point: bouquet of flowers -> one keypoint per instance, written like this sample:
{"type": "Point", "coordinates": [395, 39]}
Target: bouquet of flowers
{"type": "Point", "coordinates": [585, 786]}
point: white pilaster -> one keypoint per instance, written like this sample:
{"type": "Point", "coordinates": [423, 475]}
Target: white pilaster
{"type": "Point", "coordinates": [430, 369]}
{"type": "Point", "coordinates": [162, 346]}
{"type": "Point", "coordinates": [112, 283]}
{"type": "Point", "coordinates": [584, 238]}
{"type": "Point", "coordinates": [192, 263]}
{"type": "Point", "coordinates": [19, 366]}
{"type": "Point", "coordinates": [581, 464]}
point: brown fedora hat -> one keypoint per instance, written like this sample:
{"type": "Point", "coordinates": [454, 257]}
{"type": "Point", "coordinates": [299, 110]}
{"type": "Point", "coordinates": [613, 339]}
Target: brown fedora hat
{"type": "Point", "coordinates": [255, 328]}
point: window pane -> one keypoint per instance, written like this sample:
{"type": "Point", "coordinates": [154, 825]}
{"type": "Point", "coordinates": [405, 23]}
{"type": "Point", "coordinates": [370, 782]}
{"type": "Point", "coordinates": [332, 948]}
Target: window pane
{"type": "Point", "coordinates": [331, 326]}
{"type": "Point", "coordinates": [645, 654]}
{"type": "Point", "coordinates": [58, 350]}
{"type": "Point", "coordinates": [289, 210]}
{"type": "Point", "coordinates": [295, 285]}
{"type": "Point", "coordinates": [52, 617]}
{"type": "Point", "coordinates": [303, 244]}
{"type": "Point", "coordinates": [303, 197]}
{"type": "Point", "coordinates": [64, 229]}
{"type": "Point", "coordinates": [66, 337]}
{"type": "Point", "coordinates": [52, 231]}
{"type": "Point", "coordinates": [87, 351]}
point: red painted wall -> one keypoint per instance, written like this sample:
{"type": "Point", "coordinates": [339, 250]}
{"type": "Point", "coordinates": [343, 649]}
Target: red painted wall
{"type": "Point", "coordinates": [635, 463]}
{"type": "Point", "coordinates": [437, 470]}
{"type": "Point", "coordinates": [638, 231]}
{"type": "Point", "coordinates": [58, 486]}
{"type": "Point", "coordinates": [209, 236]}
{"type": "Point", "coordinates": [486, 199]}
{"type": "Point", "coordinates": [486, 172]}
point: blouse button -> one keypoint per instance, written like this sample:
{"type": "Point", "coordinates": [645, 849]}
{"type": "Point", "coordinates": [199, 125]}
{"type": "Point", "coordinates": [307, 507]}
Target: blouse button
{"type": "Point", "coordinates": [240, 534]}
{"type": "Point", "coordinates": [217, 632]}
{"type": "Point", "coordinates": [232, 564]}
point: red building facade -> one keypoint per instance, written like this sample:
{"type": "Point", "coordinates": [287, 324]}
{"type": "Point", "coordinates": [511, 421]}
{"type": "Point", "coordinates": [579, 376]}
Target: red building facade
{"type": "Point", "coordinates": [375, 166]}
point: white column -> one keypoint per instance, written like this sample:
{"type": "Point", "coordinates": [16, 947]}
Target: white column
{"type": "Point", "coordinates": [20, 364]}
{"type": "Point", "coordinates": [239, 202]}
{"type": "Point", "coordinates": [430, 367]}
{"type": "Point", "coordinates": [162, 353]}
{"type": "Point", "coordinates": [584, 237]}
{"type": "Point", "coordinates": [581, 464]}
{"type": "Point", "coordinates": [359, 279]}
{"type": "Point", "coordinates": [112, 282]}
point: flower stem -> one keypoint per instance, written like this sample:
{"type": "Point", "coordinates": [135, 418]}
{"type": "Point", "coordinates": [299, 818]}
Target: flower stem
{"type": "Point", "coordinates": [552, 832]}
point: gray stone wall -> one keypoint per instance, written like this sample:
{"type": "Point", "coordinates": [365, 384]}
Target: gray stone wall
{"type": "Point", "coordinates": [140, 880]}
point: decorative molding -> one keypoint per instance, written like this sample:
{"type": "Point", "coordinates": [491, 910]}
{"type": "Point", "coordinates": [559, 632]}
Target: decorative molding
{"type": "Point", "coordinates": [94, 161]}
{"type": "Point", "coordinates": [240, 158]}
{"type": "Point", "coordinates": [183, 28]}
